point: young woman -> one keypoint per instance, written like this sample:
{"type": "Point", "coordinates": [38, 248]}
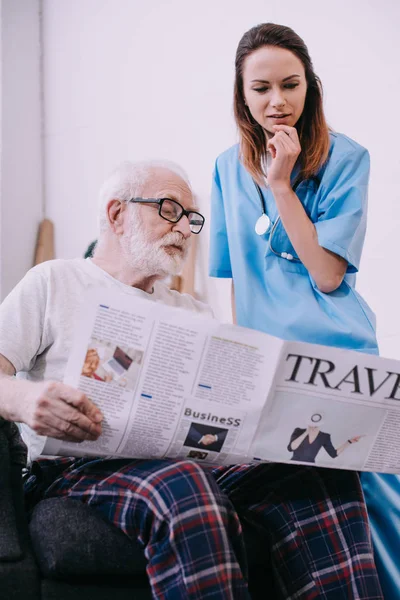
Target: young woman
{"type": "Point", "coordinates": [288, 224]}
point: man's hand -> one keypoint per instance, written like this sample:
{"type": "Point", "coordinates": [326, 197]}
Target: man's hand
{"type": "Point", "coordinates": [59, 411]}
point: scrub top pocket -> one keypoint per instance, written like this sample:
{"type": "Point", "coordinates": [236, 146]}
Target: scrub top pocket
{"type": "Point", "coordinates": [279, 242]}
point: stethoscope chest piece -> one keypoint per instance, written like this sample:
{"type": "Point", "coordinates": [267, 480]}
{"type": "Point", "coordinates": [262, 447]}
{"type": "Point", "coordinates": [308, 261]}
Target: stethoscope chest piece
{"type": "Point", "coordinates": [263, 224]}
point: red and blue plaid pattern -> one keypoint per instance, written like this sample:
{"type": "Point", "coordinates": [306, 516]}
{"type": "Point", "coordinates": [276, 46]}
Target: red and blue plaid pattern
{"type": "Point", "coordinates": [313, 520]}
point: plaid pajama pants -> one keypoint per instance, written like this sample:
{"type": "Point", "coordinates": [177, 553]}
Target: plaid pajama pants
{"type": "Point", "coordinates": [188, 518]}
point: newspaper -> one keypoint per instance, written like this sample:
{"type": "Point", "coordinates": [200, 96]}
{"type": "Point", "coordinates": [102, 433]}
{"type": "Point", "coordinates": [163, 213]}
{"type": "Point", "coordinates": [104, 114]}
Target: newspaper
{"type": "Point", "coordinates": [175, 384]}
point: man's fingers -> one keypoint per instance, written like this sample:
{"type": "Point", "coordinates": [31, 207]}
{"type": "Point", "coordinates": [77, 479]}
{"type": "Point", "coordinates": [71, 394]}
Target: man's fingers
{"type": "Point", "coordinates": [53, 426]}
{"type": "Point", "coordinates": [64, 411]}
{"type": "Point", "coordinates": [60, 411]}
{"type": "Point", "coordinates": [78, 399]}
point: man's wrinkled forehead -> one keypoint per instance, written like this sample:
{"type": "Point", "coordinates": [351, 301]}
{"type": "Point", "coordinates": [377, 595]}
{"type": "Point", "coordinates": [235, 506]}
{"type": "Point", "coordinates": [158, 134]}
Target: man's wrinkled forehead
{"type": "Point", "coordinates": [163, 183]}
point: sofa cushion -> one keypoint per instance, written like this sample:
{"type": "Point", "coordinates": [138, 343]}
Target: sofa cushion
{"type": "Point", "coordinates": [114, 589]}
{"type": "Point", "coordinates": [11, 462]}
{"type": "Point", "coordinates": [71, 539]}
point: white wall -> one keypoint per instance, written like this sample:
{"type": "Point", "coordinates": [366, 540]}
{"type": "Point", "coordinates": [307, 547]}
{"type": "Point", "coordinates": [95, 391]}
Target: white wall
{"type": "Point", "coordinates": [133, 79]}
{"type": "Point", "coordinates": [21, 206]}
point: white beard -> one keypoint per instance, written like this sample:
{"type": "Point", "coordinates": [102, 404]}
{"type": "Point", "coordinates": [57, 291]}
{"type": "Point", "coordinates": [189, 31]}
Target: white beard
{"type": "Point", "coordinates": [151, 258]}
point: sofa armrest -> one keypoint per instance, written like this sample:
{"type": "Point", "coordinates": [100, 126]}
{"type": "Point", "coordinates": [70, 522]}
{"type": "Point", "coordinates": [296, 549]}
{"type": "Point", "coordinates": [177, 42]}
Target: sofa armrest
{"type": "Point", "coordinates": [12, 514]}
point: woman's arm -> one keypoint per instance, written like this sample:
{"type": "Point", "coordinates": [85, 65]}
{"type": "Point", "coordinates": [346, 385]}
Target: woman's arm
{"type": "Point", "coordinates": [326, 268]}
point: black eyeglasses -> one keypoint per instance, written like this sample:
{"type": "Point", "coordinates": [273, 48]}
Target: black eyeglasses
{"type": "Point", "coordinates": [172, 211]}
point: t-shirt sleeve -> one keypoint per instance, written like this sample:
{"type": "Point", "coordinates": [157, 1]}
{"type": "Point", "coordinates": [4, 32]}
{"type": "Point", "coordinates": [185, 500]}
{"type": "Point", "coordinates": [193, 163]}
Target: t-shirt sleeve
{"type": "Point", "coordinates": [22, 322]}
{"type": "Point", "coordinates": [342, 211]}
{"type": "Point", "coordinates": [220, 262]}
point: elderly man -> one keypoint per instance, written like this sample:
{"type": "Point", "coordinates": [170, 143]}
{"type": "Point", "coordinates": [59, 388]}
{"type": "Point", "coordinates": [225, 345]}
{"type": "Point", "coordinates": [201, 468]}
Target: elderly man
{"type": "Point", "coordinates": [186, 516]}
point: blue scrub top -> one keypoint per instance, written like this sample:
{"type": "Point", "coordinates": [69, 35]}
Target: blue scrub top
{"type": "Point", "coordinates": [279, 296]}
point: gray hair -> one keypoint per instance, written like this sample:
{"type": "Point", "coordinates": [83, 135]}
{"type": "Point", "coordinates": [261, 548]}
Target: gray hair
{"type": "Point", "coordinates": [127, 182]}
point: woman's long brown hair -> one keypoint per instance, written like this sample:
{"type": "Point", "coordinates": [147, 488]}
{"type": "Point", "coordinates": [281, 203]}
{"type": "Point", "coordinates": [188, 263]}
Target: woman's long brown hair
{"type": "Point", "coordinates": [312, 128]}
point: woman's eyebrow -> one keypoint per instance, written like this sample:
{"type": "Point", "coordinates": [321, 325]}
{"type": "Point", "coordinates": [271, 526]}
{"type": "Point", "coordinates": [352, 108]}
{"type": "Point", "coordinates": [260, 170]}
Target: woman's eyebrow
{"type": "Point", "coordinates": [265, 81]}
{"type": "Point", "coordinates": [290, 76]}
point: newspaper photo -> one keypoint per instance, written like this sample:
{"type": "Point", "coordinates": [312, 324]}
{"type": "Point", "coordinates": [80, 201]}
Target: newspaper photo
{"type": "Point", "coordinates": [175, 384]}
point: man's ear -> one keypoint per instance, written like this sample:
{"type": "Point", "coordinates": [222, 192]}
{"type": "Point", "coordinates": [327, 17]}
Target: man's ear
{"type": "Point", "coordinates": [116, 214]}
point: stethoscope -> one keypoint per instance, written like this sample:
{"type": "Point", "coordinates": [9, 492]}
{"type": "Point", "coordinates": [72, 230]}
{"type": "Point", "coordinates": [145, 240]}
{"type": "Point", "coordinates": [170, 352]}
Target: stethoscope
{"type": "Point", "coordinates": [263, 225]}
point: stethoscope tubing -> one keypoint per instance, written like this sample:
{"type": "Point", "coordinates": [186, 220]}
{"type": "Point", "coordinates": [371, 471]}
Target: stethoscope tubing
{"type": "Point", "coordinates": [285, 255]}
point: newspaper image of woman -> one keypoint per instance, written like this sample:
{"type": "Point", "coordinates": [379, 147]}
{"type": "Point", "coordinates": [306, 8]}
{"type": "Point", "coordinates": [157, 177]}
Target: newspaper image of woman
{"type": "Point", "coordinates": [305, 443]}
{"type": "Point", "coordinates": [91, 365]}
{"type": "Point", "coordinates": [288, 221]}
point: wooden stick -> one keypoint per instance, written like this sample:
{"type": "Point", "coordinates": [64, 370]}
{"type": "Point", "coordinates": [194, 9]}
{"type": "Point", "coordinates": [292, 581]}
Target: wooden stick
{"type": "Point", "coordinates": [45, 242]}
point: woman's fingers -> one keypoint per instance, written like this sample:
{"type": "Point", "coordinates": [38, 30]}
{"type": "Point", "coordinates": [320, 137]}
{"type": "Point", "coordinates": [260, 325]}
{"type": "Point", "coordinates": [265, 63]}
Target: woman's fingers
{"type": "Point", "coordinates": [282, 142]}
{"type": "Point", "coordinates": [271, 147]}
{"type": "Point", "coordinates": [289, 137]}
{"type": "Point", "coordinates": [284, 151]}
{"type": "Point", "coordinates": [291, 132]}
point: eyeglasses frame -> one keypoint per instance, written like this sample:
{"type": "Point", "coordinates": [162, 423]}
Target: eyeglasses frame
{"type": "Point", "coordinates": [160, 201]}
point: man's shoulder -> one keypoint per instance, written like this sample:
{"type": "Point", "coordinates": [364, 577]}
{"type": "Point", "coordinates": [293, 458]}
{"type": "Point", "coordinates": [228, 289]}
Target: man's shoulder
{"type": "Point", "coordinates": [186, 301]}
{"type": "Point", "coordinates": [58, 270]}
{"type": "Point", "coordinates": [58, 265]}
{"type": "Point", "coordinates": [41, 276]}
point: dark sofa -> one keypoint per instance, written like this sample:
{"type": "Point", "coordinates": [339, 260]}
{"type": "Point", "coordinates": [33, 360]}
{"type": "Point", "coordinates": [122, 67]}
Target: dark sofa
{"type": "Point", "coordinates": [66, 551]}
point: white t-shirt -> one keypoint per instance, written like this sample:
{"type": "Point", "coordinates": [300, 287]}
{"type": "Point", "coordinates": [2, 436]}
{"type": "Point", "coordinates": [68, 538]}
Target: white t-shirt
{"type": "Point", "coordinates": [37, 318]}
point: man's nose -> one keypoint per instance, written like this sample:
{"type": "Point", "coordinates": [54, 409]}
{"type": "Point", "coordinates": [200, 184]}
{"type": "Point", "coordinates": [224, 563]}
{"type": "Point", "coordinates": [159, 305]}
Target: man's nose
{"type": "Point", "coordinates": [183, 227]}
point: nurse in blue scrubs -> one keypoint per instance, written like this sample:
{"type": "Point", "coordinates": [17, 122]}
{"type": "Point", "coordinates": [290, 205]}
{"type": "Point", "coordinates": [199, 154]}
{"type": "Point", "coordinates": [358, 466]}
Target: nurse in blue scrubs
{"type": "Point", "coordinates": [289, 208]}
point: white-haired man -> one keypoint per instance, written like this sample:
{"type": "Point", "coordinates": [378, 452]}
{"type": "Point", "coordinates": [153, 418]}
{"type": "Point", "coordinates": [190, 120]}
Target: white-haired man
{"type": "Point", "coordinates": [186, 517]}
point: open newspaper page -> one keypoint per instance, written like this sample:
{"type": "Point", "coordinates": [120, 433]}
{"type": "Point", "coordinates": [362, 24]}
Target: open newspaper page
{"type": "Point", "coordinates": [332, 408]}
{"type": "Point", "coordinates": [170, 383]}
